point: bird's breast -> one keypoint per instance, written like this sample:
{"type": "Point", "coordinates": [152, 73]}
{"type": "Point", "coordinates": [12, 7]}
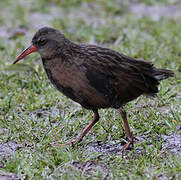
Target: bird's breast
{"type": "Point", "coordinates": [72, 81]}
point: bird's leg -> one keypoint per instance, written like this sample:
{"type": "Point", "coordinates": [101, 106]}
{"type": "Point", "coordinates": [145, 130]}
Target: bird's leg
{"type": "Point", "coordinates": [89, 126]}
{"type": "Point", "coordinates": [127, 129]}
{"type": "Point", "coordinates": [85, 130]}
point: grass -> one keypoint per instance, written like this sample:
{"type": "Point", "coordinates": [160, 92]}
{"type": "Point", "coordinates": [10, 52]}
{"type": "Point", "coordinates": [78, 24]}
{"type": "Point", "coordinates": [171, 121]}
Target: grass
{"type": "Point", "coordinates": [34, 114]}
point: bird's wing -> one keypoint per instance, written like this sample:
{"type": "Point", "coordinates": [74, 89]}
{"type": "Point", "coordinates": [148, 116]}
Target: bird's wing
{"type": "Point", "coordinates": [120, 70]}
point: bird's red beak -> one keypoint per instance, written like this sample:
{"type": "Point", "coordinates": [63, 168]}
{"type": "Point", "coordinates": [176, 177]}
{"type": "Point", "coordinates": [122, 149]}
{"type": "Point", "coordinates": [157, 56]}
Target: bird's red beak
{"type": "Point", "coordinates": [27, 51]}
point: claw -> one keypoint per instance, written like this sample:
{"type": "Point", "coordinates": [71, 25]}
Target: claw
{"type": "Point", "coordinates": [130, 143]}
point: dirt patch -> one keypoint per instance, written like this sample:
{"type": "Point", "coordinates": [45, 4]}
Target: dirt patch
{"type": "Point", "coordinates": [42, 113]}
{"type": "Point", "coordinates": [172, 143]}
{"type": "Point", "coordinates": [8, 176]}
{"type": "Point", "coordinates": [111, 148]}
{"type": "Point", "coordinates": [51, 113]}
{"type": "Point", "coordinates": [8, 148]}
{"type": "Point", "coordinates": [91, 168]}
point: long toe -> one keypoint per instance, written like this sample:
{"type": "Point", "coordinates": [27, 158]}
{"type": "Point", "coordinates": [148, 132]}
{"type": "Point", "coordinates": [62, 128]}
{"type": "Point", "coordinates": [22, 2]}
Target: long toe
{"type": "Point", "coordinates": [127, 146]}
{"type": "Point", "coordinates": [60, 143]}
{"type": "Point", "coordinates": [130, 143]}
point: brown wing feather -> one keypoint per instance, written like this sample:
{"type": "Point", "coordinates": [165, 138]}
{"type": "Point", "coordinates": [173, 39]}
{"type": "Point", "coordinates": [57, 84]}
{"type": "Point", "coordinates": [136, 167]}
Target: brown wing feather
{"type": "Point", "coordinates": [97, 77]}
{"type": "Point", "coordinates": [119, 77]}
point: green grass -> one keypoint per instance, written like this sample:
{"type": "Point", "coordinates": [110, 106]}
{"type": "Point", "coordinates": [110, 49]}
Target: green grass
{"type": "Point", "coordinates": [34, 114]}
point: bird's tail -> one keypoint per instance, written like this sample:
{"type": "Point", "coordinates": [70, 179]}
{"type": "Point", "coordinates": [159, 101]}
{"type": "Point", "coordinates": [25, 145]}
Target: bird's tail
{"type": "Point", "coordinates": [161, 74]}
{"type": "Point", "coordinates": [153, 79]}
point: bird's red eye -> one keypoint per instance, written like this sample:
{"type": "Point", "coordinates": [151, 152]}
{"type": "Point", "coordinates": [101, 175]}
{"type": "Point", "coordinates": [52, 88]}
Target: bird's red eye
{"type": "Point", "coordinates": [41, 42]}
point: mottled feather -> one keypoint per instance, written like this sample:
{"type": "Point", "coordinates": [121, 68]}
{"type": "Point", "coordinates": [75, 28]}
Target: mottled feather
{"type": "Point", "coordinates": [94, 76]}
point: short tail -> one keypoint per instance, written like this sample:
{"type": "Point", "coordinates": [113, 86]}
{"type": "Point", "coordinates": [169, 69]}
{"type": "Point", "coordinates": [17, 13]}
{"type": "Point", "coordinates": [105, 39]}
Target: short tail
{"type": "Point", "coordinates": [153, 79]}
{"type": "Point", "coordinates": [161, 74]}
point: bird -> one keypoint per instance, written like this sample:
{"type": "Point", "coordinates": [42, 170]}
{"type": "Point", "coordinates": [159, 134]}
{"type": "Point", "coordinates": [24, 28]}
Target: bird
{"type": "Point", "coordinates": [95, 77]}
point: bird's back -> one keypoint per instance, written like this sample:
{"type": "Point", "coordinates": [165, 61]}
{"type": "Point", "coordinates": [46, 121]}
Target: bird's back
{"type": "Point", "coordinates": [97, 77]}
{"type": "Point", "coordinates": [118, 77]}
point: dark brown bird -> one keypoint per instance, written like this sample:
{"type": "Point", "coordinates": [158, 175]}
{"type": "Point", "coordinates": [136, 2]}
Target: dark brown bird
{"type": "Point", "coordinates": [93, 76]}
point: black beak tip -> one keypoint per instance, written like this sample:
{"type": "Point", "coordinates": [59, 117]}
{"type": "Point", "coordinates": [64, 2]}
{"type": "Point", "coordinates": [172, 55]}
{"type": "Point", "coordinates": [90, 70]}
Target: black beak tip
{"type": "Point", "coordinates": [15, 61]}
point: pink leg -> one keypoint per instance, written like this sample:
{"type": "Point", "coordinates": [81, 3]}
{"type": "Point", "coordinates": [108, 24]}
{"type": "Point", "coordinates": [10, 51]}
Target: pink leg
{"type": "Point", "coordinates": [127, 129]}
{"type": "Point", "coordinates": [85, 130]}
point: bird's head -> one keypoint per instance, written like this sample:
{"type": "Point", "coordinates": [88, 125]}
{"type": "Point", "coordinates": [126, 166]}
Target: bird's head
{"type": "Point", "coordinates": [47, 41]}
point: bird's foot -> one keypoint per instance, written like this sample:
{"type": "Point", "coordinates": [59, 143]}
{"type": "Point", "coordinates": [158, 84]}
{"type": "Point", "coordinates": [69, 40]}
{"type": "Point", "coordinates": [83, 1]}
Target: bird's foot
{"type": "Point", "coordinates": [69, 143]}
{"type": "Point", "coordinates": [130, 143]}
{"type": "Point", "coordinates": [72, 143]}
